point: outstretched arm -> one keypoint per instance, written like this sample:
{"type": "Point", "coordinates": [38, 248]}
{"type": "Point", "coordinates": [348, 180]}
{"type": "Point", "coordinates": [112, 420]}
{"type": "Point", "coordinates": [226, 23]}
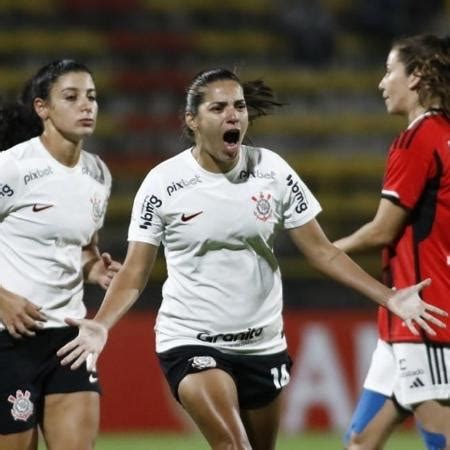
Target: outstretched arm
{"type": "Point", "coordinates": [123, 292]}
{"type": "Point", "coordinates": [334, 263]}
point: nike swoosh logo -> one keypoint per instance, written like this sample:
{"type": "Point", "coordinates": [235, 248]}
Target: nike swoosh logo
{"type": "Point", "coordinates": [93, 378]}
{"type": "Point", "coordinates": [185, 218]}
{"type": "Point", "coordinates": [40, 207]}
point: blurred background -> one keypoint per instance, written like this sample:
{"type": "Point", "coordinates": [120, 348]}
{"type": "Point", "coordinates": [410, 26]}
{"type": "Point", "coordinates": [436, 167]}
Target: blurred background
{"type": "Point", "coordinates": [324, 59]}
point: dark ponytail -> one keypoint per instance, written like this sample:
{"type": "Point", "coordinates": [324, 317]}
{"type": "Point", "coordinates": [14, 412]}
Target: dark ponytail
{"type": "Point", "coordinates": [19, 121]}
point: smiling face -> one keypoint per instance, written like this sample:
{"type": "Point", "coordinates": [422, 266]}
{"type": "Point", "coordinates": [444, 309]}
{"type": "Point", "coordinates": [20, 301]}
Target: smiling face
{"type": "Point", "coordinates": [399, 89]}
{"type": "Point", "coordinates": [219, 126]}
{"type": "Point", "coordinates": [71, 108]}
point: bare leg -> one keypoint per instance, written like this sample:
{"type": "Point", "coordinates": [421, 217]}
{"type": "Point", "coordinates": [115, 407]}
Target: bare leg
{"type": "Point", "coordinates": [378, 430]}
{"type": "Point", "coordinates": [434, 417]}
{"type": "Point", "coordinates": [210, 398]}
{"type": "Point", "coordinates": [262, 425]}
{"type": "Point", "coordinates": [28, 440]}
{"type": "Point", "coordinates": [71, 421]}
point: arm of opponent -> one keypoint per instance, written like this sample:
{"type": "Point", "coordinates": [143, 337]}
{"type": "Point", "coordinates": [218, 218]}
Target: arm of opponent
{"type": "Point", "coordinates": [382, 230]}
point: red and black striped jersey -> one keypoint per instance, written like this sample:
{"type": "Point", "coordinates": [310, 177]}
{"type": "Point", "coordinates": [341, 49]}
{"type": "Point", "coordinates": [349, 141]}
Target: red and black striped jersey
{"type": "Point", "coordinates": [417, 177]}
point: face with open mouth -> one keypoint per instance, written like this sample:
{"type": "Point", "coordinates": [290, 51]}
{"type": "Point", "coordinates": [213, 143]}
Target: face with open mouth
{"type": "Point", "coordinates": [219, 126]}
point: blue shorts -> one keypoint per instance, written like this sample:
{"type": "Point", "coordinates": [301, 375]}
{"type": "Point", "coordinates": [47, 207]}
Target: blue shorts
{"type": "Point", "coordinates": [30, 370]}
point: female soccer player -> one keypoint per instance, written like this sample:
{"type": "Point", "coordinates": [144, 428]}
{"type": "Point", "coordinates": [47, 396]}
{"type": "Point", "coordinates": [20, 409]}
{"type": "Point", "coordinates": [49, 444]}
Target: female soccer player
{"type": "Point", "coordinates": [217, 207]}
{"type": "Point", "coordinates": [410, 372]}
{"type": "Point", "coordinates": [53, 198]}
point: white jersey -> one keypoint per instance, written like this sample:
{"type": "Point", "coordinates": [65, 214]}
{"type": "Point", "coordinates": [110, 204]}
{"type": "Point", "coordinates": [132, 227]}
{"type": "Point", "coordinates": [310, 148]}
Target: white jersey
{"type": "Point", "coordinates": [48, 212]}
{"type": "Point", "coordinates": [224, 285]}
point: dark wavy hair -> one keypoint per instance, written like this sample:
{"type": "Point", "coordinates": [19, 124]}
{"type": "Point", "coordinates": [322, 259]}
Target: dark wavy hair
{"type": "Point", "coordinates": [19, 121]}
{"type": "Point", "coordinates": [259, 97]}
{"type": "Point", "coordinates": [429, 57]}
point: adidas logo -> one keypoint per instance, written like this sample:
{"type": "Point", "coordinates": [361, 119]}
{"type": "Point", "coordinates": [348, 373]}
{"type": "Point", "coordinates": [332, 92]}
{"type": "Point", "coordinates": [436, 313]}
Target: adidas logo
{"type": "Point", "coordinates": [416, 383]}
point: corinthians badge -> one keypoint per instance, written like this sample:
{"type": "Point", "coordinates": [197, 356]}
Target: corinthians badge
{"type": "Point", "coordinates": [22, 406]}
{"type": "Point", "coordinates": [263, 210]}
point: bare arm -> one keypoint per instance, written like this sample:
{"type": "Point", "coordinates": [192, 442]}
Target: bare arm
{"type": "Point", "coordinates": [98, 268]}
{"type": "Point", "coordinates": [123, 292]}
{"type": "Point", "coordinates": [128, 284]}
{"type": "Point", "coordinates": [387, 224]}
{"type": "Point", "coordinates": [334, 263]}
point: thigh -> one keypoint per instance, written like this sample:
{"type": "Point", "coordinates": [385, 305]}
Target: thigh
{"type": "Point", "coordinates": [71, 421]}
{"type": "Point", "coordinates": [27, 440]}
{"type": "Point", "coordinates": [373, 421]}
{"type": "Point", "coordinates": [262, 424]}
{"type": "Point", "coordinates": [434, 417]}
{"type": "Point", "coordinates": [210, 398]}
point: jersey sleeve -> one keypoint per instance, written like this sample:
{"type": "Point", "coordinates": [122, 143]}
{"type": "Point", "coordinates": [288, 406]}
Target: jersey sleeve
{"type": "Point", "coordinates": [107, 180]}
{"type": "Point", "coordinates": [147, 224]}
{"type": "Point", "coordinates": [407, 172]}
{"type": "Point", "coordinates": [299, 204]}
{"type": "Point", "coordinates": [10, 183]}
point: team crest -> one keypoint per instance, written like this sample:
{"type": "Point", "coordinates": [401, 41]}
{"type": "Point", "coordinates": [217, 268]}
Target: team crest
{"type": "Point", "coordinates": [263, 210]}
{"type": "Point", "coordinates": [98, 208]}
{"type": "Point", "coordinates": [203, 362]}
{"type": "Point", "coordinates": [22, 406]}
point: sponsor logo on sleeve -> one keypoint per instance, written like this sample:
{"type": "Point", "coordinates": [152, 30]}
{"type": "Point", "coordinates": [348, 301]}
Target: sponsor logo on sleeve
{"type": "Point", "coordinates": [151, 202]}
{"type": "Point", "coordinates": [36, 174]}
{"type": "Point", "coordinates": [6, 191]}
{"type": "Point", "coordinates": [181, 184]}
{"type": "Point", "coordinates": [299, 194]}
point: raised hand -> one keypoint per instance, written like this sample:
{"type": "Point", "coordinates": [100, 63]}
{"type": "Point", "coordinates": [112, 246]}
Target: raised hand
{"type": "Point", "coordinates": [407, 304]}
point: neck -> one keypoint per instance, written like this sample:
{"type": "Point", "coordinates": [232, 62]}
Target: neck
{"type": "Point", "coordinates": [64, 151]}
{"type": "Point", "coordinates": [212, 164]}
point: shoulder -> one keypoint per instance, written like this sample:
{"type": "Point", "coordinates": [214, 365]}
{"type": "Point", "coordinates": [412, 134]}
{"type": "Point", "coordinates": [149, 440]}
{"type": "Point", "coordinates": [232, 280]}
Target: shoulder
{"type": "Point", "coordinates": [261, 156]}
{"type": "Point", "coordinates": [95, 167]}
{"type": "Point", "coordinates": [172, 168]}
{"type": "Point", "coordinates": [17, 158]}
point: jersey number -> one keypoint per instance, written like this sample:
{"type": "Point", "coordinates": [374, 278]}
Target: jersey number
{"type": "Point", "coordinates": [280, 376]}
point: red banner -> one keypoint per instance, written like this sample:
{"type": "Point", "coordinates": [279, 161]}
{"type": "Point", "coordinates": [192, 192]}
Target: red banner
{"type": "Point", "coordinates": [331, 352]}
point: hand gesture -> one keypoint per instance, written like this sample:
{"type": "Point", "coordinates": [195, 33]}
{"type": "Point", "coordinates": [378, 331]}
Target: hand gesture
{"type": "Point", "coordinates": [103, 270]}
{"type": "Point", "coordinates": [19, 316]}
{"type": "Point", "coordinates": [407, 304]}
{"type": "Point", "coordinates": [87, 346]}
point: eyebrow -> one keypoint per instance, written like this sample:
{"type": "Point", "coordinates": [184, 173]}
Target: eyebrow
{"type": "Point", "coordinates": [222, 103]}
{"type": "Point", "coordinates": [77, 89]}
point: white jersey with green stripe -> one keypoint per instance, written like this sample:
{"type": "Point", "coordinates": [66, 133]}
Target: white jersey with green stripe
{"type": "Point", "coordinates": [48, 212]}
{"type": "Point", "coordinates": [224, 284]}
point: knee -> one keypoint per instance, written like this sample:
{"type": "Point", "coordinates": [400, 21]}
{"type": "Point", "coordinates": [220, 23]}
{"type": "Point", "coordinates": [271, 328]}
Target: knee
{"type": "Point", "coordinates": [228, 443]}
{"type": "Point", "coordinates": [357, 442]}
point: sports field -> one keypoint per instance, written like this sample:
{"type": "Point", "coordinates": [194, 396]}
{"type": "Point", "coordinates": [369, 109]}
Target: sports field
{"type": "Point", "coordinates": [306, 441]}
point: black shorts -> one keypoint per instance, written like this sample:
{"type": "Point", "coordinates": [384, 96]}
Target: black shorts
{"type": "Point", "coordinates": [30, 370]}
{"type": "Point", "coordinates": [258, 378]}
